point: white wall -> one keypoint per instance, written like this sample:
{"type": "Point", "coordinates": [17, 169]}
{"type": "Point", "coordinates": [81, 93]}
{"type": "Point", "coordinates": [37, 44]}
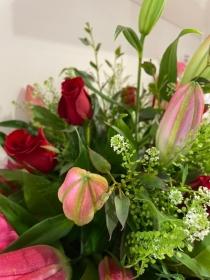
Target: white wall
{"type": "Point", "coordinates": [40, 37]}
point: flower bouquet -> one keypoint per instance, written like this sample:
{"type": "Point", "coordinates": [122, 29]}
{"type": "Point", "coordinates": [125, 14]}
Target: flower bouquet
{"type": "Point", "coordinates": [108, 180]}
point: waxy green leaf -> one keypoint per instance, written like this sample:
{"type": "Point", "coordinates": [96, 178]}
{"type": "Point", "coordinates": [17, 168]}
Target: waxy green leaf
{"type": "Point", "coordinates": [122, 205]}
{"type": "Point", "coordinates": [99, 162]}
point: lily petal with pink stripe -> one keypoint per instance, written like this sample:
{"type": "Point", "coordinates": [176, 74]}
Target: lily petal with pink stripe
{"type": "Point", "coordinates": [7, 233]}
{"type": "Point", "coordinates": [82, 194]}
{"type": "Point", "coordinates": [181, 119]}
{"type": "Point", "coordinates": [38, 262]}
{"type": "Point", "coordinates": [109, 270]}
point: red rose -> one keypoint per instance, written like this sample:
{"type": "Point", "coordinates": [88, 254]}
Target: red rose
{"type": "Point", "coordinates": [29, 150]}
{"type": "Point", "coordinates": [129, 96]}
{"type": "Point", "coordinates": [203, 181]}
{"type": "Point", "coordinates": [75, 105]}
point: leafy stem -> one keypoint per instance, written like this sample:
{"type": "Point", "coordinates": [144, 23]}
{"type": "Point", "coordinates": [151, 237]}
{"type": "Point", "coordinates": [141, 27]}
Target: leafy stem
{"type": "Point", "coordinates": [138, 91]}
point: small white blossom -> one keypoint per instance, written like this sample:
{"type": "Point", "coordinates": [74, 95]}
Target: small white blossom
{"type": "Point", "coordinates": [175, 196]}
{"type": "Point", "coordinates": [197, 223]}
{"type": "Point", "coordinates": [119, 144]}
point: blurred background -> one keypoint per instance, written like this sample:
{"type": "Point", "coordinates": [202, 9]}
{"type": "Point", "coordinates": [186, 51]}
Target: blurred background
{"type": "Point", "coordinates": [40, 37]}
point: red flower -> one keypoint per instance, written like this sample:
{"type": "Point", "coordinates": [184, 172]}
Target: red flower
{"type": "Point", "coordinates": [30, 151]}
{"type": "Point", "coordinates": [203, 181]}
{"type": "Point", "coordinates": [129, 96]}
{"type": "Point", "coordinates": [75, 104]}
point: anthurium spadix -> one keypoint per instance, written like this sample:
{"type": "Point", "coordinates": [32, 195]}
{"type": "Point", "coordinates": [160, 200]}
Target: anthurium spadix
{"type": "Point", "coordinates": [180, 120]}
{"type": "Point", "coordinates": [82, 194]}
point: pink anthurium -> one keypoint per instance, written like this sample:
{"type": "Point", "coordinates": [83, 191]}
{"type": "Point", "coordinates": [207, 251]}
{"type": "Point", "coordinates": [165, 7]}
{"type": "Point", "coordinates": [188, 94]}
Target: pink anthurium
{"type": "Point", "coordinates": [82, 194]}
{"type": "Point", "coordinates": [110, 270]}
{"type": "Point", "coordinates": [181, 119]}
{"type": "Point", "coordinates": [7, 233]}
{"type": "Point", "coordinates": [34, 263]}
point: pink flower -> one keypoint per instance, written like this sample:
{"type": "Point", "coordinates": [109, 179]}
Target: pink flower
{"type": "Point", "coordinates": [109, 270]}
{"type": "Point", "coordinates": [82, 194]}
{"type": "Point", "coordinates": [180, 120]}
{"type": "Point", "coordinates": [180, 68]}
{"type": "Point", "coordinates": [31, 98]}
{"type": "Point", "coordinates": [7, 233]}
{"type": "Point", "coordinates": [39, 262]}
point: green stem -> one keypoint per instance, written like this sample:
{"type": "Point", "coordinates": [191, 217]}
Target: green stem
{"type": "Point", "coordinates": [138, 91]}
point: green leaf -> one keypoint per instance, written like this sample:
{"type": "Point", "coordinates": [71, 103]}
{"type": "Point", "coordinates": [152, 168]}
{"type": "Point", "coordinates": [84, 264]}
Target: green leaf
{"type": "Point", "coordinates": [99, 162]}
{"type": "Point", "coordinates": [148, 113]}
{"type": "Point", "coordinates": [168, 64]}
{"type": "Point", "coordinates": [14, 124]}
{"type": "Point", "coordinates": [85, 41]}
{"type": "Point", "coordinates": [149, 68]}
{"type": "Point", "coordinates": [98, 47]}
{"type": "Point", "coordinates": [150, 13]}
{"type": "Point", "coordinates": [91, 272]}
{"type": "Point", "coordinates": [17, 216]}
{"type": "Point", "coordinates": [111, 217]}
{"type": "Point", "coordinates": [2, 138]}
{"type": "Point", "coordinates": [94, 65]}
{"type": "Point", "coordinates": [82, 160]}
{"type": "Point", "coordinates": [122, 205]}
{"type": "Point", "coordinates": [40, 194]}
{"type": "Point", "coordinates": [130, 35]}
{"type": "Point", "coordinates": [151, 182]}
{"type": "Point", "coordinates": [47, 119]}
{"type": "Point", "coordinates": [47, 231]}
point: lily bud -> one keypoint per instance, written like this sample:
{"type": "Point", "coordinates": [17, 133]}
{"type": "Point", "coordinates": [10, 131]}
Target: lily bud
{"type": "Point", "coordinates": [150, 13]}
{"type": "Point", "coordinates": [109, 270]}
{"type": "Point", "coordinates": [197, 67]}
{"type": "Point", "coordinates": [34, 263]}
{"type": "Point", "coordinates": [7, 233]}
{"type": "Point", "coordinates": [181, 119]}
{"type": "Point", "coordinates": [82, 194]}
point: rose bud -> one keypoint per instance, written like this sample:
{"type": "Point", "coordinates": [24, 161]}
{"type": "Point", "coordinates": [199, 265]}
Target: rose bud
{"type": "Point", "coordinates": [75, 104]}
{"type": "Point", "coordinates": [7, 233]}
{"type": "Point", "coordinates": [31, 98]}
{"type": "Point", "coordinates": [129, 96]}
{"type": "Point", "coordinates": [109, 270]}
{"type": "Point", "coordinates": [180, 120]}
{"type": "Point", "coordinates": [30, 151]}
{"type": "Point", "coordinates": [82, 194]}
{"type": "Point", "coordinates": [33, 263]}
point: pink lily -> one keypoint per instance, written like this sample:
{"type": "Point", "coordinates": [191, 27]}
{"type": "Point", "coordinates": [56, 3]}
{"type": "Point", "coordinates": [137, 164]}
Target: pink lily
{"type": "Point", "coordinates": [82, 194]}
{"type": "Point", "coordinates": [180, 120]}
{"type": "Point", "coordinates": [7, 233]}
{"type": "Point", "coordinates": [39, 262]}
{"type": "Point", "coordinates": [110, 270]}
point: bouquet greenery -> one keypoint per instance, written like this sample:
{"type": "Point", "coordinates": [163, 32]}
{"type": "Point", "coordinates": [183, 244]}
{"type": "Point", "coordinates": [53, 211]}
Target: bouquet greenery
{"type": "Point", "coordinates": [110, 181]}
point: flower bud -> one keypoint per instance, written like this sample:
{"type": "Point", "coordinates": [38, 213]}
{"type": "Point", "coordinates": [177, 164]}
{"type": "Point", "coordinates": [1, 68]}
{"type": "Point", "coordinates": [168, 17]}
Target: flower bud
{"type": "Point", "coordinates": [129, 96]}
{"type": "Point", "coordinates": [181, 119]}
{"type": "Point", "coordinates": [82, 194]}
{"type": "Point", "coordinates": [197, 67]}
{"type": "Point", "coordinates": [109, 270]}
{"type": "Point", "coordinates": [7, 233]}
{"type": "Point", "coordinates": [150, 13]}
{"type": "Point", "coordinates": [31, 98]}
{"type": "Point", "coordinates": [34, 263]}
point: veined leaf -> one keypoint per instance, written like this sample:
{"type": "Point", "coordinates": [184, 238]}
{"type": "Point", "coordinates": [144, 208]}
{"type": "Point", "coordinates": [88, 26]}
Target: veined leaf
{"type": "Point", "coordinates": [168, 65]}
{"type": "Point", "coordinates": [130, 35]}
{"type": "Point", "coordinates": [111, 217]}
{"type": "Point", "coordinates": [122, 205]}
{"type": "Point", "coordinates": [99, 162]}
{"type": "Point", "coordinates": [47, 231]}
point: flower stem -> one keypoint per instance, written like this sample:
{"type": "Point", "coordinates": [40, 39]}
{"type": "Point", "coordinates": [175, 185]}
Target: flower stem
{"type": "Point", "coordinates": [138, 91]}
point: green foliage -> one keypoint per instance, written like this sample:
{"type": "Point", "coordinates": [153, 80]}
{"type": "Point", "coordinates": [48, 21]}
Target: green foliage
{"type": "Point", "coordinates": [168, 65]}
{"type": "Point", "coordinates": [47, 231]}
{"type": "Point", "coordinates": [15, 124]}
